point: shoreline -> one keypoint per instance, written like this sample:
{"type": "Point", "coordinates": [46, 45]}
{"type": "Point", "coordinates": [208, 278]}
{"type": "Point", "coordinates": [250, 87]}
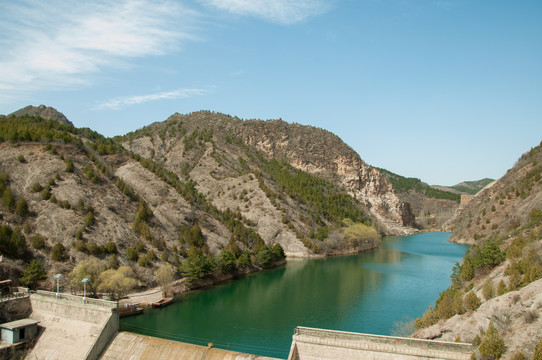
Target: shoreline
{"type": "Point", "coordinates": [182, 286]}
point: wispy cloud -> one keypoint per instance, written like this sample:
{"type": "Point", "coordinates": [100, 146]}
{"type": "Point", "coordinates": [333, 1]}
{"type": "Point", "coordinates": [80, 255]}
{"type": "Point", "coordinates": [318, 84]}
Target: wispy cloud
{"type": "Point", "coordinates": [59, 43]}
{"type": "Point", "coordinates": [124, 101]}
{"type": "Point", "coordinates": [277, 11]}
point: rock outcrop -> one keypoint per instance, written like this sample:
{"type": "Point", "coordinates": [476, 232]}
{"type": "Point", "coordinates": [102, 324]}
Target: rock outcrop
{"type": "Point", "coordinates": [45, 112]}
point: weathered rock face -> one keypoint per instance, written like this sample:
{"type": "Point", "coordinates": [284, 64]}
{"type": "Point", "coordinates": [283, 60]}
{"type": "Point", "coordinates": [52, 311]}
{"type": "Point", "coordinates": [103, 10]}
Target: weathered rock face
{"type": "Point", "coordinates": [319, 152]}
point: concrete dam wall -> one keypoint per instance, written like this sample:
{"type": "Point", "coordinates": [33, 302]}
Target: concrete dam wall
{"type": "Point", "coordinates": [72, 329]}
{"type": "Point", "coordinates": [312, 344]}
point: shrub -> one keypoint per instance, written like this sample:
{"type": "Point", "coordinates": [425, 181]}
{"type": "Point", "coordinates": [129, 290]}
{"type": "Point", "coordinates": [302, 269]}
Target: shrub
{"type": "Point", "coordinates": [69, 165]}
{"type": "Point", "coordinates": [46, 193]}
{"type": "Point", "coordinates": [467, 271]}
{"type": "Point", "coordinates": [21, 159]}
{"type": "Point", "coordinates": [143, 261]}
{"type": "Point", "coordinates": [535, 217]}
{"type": "Point", "coordinates": [445, 304]}
{"type": "Point", "coordinates": [537, 355]}
{"type": "Point", "coordinates": [492, 346]}
{"type": "Point", "coordinates": [501, 288]}
{"type": "Point", "coordinates": [81, 246]}
{"type": "Point", "coordinates": [226, 262]}
{"type": "Point", "coordinates": [278, 252]}
{"type": "Point", "coordinates": [516, 247]}
{"type": "Point", "coordinates": [131, 254]}
{"type": "Point", "coordinates": [8, 199]}
{"type": "Point", "coordinates": [488, 291]}
{"type": "Point", "coordinates": [429, 318]}
{"type": "Point", "coordinates": [21, 208]}
{"type": "Point", "coordinates": [519, 356]}
{"type": "Point", "coordinates": [514, 280]}
{"type": "Point", "coordinates": [164, 276]}
{"type": "Point", "coordinates": [36, 187]}
{"type": "Point", "coordinates": [34, 272]}
{"type": "Point", "coordinates": [89, 219]}
{"type": "Point", "coordinates": [459, 308]}
{"type": "Point", "coordinates": [264, 256]}
{"type": "Point", "coordinates": [93, 248]}
{"type": "Point", "coordinates": [472, 302]}
{"type": "Point", "coordinates": [355, 234]}
{"type": "Point", "coordinates": [197, 266]}
{"type": "Point", "coordinates": [113, 262]}
{"type": "Point", "coordinates": [111, 247]}
{"type": "Point", "coordinates": [476, 341]}
{"type": "Point", "coordinates": [38, 242]}
{"type": "Point", "coordinates": [58, 253]}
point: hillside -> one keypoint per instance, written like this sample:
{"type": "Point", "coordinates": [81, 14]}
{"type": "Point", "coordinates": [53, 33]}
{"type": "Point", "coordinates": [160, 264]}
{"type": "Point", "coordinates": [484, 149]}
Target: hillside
{"type": "Point", "coordinates": [472, 187]}
{"type": "Point", "coordinates": [431, 206]}
{"type": "Point", "coordinates": [178, 143]}
{"type": "Point", "coordinates": [500, 278]}
{"type": "Point", "coordinates": [197, 192]}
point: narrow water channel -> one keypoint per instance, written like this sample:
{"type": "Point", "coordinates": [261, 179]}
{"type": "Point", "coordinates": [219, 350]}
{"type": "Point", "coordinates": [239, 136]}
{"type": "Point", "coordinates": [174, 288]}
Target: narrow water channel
{"type": "Point", "coordinates": [366, 293]}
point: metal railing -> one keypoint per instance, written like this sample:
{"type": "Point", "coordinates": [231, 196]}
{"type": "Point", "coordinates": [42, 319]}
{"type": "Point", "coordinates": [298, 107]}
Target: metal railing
{"type": "Point", "coordinates": [79, 300]}
{"type": "Point", "coordinates": [15, 295]}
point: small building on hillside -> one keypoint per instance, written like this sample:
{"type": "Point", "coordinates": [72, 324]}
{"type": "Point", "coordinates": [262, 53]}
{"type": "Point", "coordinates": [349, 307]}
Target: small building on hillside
{"type": "Point", "coordinates": [18, 331]}
{"type": "Point", "coordinates": [465, 199]}
{"type": "Point", "coordinates": [5, 287]}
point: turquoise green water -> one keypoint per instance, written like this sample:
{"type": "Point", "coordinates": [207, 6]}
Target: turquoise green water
{"type": "Point", "coordinates": [362, 293]}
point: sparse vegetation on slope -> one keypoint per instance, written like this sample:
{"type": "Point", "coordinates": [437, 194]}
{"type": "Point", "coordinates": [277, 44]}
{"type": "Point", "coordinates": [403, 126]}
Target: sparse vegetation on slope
{"type": "Point", "coordinates": [83, 198]}
{"type": "Point", "coordinates": [499, 270]}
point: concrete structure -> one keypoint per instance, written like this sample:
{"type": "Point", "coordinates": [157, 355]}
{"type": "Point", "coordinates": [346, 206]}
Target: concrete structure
{"type": "Point", "coordinates": [73, 329]}
{"type": "Point", "coordinates": [129, 346]}
{"type": "Point", "coordinates": [19, 330]}
{"type": "Point", "coordinates": [5, 287]}
{"type": "Point", "coordinates": [465, 199]}
{"type": "Point", "coordinates": [312, 344]}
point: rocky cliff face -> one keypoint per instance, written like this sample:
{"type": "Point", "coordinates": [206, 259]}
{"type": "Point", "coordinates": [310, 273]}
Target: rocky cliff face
{"type": "Point", "coordinates": [321, 153]}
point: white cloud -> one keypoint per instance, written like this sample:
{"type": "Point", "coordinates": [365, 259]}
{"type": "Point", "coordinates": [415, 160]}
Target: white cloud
{"type": "Point", "coordinates": [59, 43]}
{"type": "Point", "coordinates": [121, 102]}
{"type": "Point", "coordinates": [278, 11]}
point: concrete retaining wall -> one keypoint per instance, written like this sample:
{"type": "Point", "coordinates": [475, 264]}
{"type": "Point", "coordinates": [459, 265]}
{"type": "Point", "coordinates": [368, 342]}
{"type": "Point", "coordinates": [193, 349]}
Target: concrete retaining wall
{"type": "Point", "coordinates": [73, 329]}
{"type": "Point", "coordinates": [108, 333]}
{"type": "Point", "coordinates": [309, 344]}
{"type": "Point", "coordinates": [14, 309]}
{"type": "Point", "coordinates": [129, 346]}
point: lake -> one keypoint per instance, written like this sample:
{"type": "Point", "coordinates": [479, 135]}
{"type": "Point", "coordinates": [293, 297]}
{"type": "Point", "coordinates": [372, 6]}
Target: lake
{"type": "Point", "coordinates": [366, 293]}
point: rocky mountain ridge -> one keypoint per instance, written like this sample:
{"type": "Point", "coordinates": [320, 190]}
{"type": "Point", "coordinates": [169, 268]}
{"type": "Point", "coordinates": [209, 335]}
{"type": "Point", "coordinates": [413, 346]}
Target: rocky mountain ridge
{"type": "Point", "coordinates": [312, 150]}
{"type": "Point", "coordinates": [45, 112]}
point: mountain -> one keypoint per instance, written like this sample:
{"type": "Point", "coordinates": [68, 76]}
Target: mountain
{"type": "Point", "coordinates": [311, 150]}
{"type": "Point", "coordinates": [500, 277]}
{"type": "Point", "coordinates": [431, 206]}
{"type": "Point", "coordinates": [466, 187]}
{"type": "Point", "coordinates": [205, 192]}
{"type": "Point", "coordinates": [44, 112]}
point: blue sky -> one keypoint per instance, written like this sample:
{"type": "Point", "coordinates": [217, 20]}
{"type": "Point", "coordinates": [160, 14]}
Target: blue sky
{"type": "Point", "coordinates": [440, 90]}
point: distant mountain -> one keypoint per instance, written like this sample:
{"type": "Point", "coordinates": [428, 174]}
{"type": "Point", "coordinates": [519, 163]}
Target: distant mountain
{"type": "Point", "coordinates": [466, 187]}
{"type": "Point", "coordinates": [431, 206]}
{"type": "Point", "coordinates": [45, 112]}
